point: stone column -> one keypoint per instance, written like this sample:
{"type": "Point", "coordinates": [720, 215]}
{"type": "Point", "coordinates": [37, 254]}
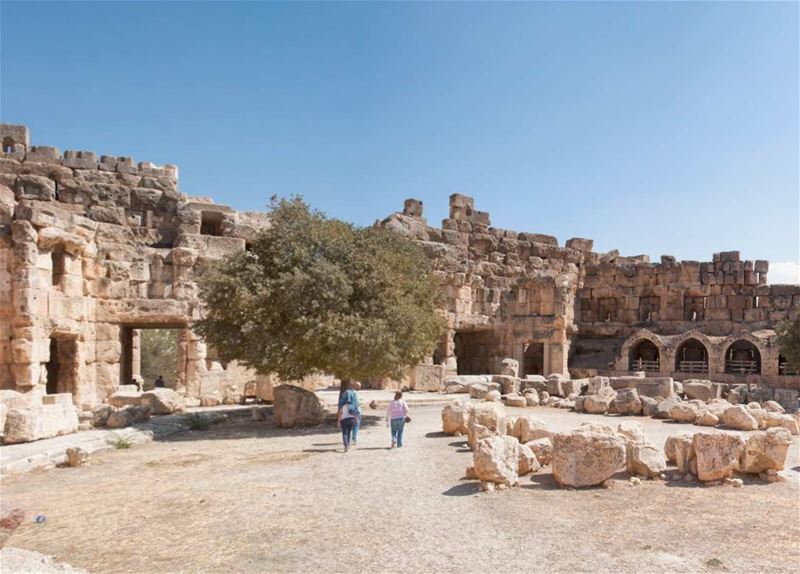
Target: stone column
{"type": "Point", "coordinates": [195, 364]}
{"type": "Point", "coordinates": [546, 360]}
{"type": "Point", "coordinates": [136, 354]}
{"type": "Point", "coordinates": [30, 345]}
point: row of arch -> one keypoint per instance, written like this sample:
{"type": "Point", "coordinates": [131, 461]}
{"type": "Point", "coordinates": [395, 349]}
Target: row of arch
{"type": "Point", "coordinates": [741, 356]}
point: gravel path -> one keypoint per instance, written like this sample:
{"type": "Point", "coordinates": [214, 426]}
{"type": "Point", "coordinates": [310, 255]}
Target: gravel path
{"type": "Point", "coordinates": [246, 497]}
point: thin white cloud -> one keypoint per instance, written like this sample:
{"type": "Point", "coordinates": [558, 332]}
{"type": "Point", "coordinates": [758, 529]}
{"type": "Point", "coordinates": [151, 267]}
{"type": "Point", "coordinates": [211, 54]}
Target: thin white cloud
{"type": "Point", "coordinates": [784, 272]}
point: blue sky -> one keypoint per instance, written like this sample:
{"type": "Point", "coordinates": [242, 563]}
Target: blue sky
{"type": "Point", "coordinates": [649, 127]}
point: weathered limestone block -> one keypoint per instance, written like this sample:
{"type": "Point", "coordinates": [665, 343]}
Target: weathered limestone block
{"type": "Point", "coordinates": [738, 394]}
{"type": "Point", "coordinates": [509, 385]}
{"type": "Point", "coordinates": [585, 457]}
{"type": "Point", "coordinates": [707, 419]}
{"type": "Point", "coordinates": [509, 367]}
{"type": "Point", "coordinates": [531, 398]}
{"type": "Point", "coordinates": [528, 428]}
{"type": "Point", "coordinates": [717, 407]}
{"type": "Point", "coordinates": [486, 419]}
{"type": "Point", "coordinates": [683, 413]}
{"type": "Point", "coordinates": [632, 432]}
{"type": "Point", "coordinates": [644, 459]}
{"type": "Point", "coordinates": [100, 415]}
{"type": "Point", "coordinates": [542, 448]}
{"type": "Point", "coordinates": [679, 448]}
{"type": "Point", "coordinates": [429, 378]}
{"type": "Point", "coordinates": [717, 454]}
{"type": "Point", "coordinates": [773, 407]}
{"type": "Point", "coordinates": [698, 389]}
{"type": "Point", "coordinates": [766, 451]}
{"type": "Point", "coordinates": [597, 383]}
{"type": "Point", "coordinates": [738, 418]}
{"type": "Point", "coordinates": [295, 407]}
{"type": "Point", "coordinates": [554, 385]}
{"type": "Point", "coordinates": [527, 461]}
{"type": "Point", "coordinates": [514, 401]}
{"type": "Point", "coordinates": [163, 401]}
{"type": "Point", "coordinates": [599, 403]}
{"type": "Point", "coordinates": [478, 391]}
{"type": "Point", "coordinates": [575, 386]}
{"type": "Point", "coordinates": [496, 460]}
{"type": "Point", "coordinates": [43, 421]}
{"type": "Point", "coordinates": [663, 408]}
{"type": "Point", "coordinates": [119, 419]}
{"type": "Point", "coordinates": [455, 417]}
{"type": "Point", "coordinates": [626, 402]}
{"type": "Point", "coordinates": [649, 406]}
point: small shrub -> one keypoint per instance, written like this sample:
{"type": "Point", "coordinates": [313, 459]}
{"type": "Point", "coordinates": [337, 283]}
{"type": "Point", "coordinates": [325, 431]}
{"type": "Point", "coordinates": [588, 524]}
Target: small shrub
{"type": "Point", "coordinates": [714, 563]}
{"type": "Point", "coordinates": [121, 443]}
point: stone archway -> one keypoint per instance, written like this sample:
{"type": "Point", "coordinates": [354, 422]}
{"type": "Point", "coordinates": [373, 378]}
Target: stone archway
{"type": "Point", "coordinates": [691, 356]}
{"type": "Point", "coordinates": [644, 356]}
{"type": "Point", "coordinates": [742, 358]}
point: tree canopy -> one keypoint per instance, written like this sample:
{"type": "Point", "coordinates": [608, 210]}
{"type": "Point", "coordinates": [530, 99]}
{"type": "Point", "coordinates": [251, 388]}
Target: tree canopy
{"type": "Point", "coordinates": [789, 343]}
{"type": "Point", "coordinates": [318, 295]}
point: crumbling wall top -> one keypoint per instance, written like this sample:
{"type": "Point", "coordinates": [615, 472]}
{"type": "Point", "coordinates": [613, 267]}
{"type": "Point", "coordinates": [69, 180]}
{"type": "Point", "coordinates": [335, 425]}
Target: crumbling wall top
{"type": "Point", "coordinates": [11, 134]}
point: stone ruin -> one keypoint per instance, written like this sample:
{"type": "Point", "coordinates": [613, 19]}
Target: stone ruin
{"type": "Point", "coordinates": [571, 311]}
{"type": "Point", "coordinates": [96, 248]}
{"type": "Point", "coordinates": [506, 448]}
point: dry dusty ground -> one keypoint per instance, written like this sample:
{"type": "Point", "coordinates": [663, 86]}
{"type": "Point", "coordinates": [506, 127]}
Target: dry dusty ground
{"type": "Point", "coordinates": [245, 497]}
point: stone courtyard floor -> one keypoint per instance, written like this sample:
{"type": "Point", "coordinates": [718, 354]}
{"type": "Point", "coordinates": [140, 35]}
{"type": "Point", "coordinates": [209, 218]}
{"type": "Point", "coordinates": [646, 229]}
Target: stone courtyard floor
{"type": "Point", "coordinates": [247, 497]}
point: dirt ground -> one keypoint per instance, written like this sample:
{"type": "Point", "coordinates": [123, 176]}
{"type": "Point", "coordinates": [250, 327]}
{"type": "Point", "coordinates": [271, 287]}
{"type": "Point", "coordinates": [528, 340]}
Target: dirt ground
{"type": "Point", "coordinates": [246, 497]}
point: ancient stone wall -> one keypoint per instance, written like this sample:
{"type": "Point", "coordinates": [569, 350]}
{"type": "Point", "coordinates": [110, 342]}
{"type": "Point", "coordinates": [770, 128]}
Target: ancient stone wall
{"type": "Point", "coordinates": [92, 249]}
{"type": "Point", "coordinates": [553, 308]}
{"type": "Point", "coordinates": [508, 294]}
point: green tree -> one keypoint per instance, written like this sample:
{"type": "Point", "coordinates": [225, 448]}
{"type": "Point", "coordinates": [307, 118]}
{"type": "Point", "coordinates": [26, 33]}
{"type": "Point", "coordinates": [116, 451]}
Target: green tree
{"type": "Point", "coordinates": [159, 355]}
{"type": "Point", "coordinates": [789, 343]}
{"type": "Point", "coordinates": [318, 295]}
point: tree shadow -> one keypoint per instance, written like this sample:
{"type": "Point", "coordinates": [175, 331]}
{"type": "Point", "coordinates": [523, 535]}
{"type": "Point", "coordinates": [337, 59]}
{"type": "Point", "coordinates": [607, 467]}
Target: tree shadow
{"type": "Point", "coordinates": [463, 489]}
{"type": "Point", "coordinates": [436, 434]}
{"type": "Point", "coordinates": [459, 443]}
{"type": "Point", "coordinates": [238, 424]}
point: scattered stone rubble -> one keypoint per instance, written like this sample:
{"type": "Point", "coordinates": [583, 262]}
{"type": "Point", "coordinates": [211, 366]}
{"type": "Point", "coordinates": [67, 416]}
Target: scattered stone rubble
{"type": "Point", "coordinates": [506, 448]}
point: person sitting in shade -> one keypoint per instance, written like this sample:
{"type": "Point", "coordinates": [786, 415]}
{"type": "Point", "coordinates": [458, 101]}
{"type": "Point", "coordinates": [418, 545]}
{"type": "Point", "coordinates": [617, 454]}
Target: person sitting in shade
{"type": "Point", "coordinates": [160, 384]}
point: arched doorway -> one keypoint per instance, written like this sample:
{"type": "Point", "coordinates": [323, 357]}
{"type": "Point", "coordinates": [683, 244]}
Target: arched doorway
{"type": "Point", "coordinates": [691, 357]}
{"type": "Point", "coordinates": [742, 358]}
{"type": "Point", "coordinates": [644, 356]}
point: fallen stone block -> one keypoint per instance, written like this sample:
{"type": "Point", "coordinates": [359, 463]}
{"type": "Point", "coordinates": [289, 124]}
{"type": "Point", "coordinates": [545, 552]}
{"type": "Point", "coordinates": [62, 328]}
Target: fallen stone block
{"type": "Point", "coordinates": [296, 407]}
{"type": "Point", "coordinates": [496, 460]}
{"type": "Point", "coordinates": [585, 457]}
{"type": "Point", "coordinates": [738, 418]}
{"type": "Point", "coordinates": [717, 454]}
{"type": "Point", "coordinates": [455, 417]}
{"type": "Point", "coordinates": [766, 450]}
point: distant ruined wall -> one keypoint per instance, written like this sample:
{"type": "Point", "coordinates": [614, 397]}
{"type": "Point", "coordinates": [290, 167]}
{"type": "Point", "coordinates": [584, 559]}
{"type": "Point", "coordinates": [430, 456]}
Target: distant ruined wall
{"type": "Point", "coordinates": [568, 309]}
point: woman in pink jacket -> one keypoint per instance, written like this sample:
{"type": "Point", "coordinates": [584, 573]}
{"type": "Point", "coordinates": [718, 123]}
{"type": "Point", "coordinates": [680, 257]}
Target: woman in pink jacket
{"type": "Point", "coordinates": [396, 417]}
